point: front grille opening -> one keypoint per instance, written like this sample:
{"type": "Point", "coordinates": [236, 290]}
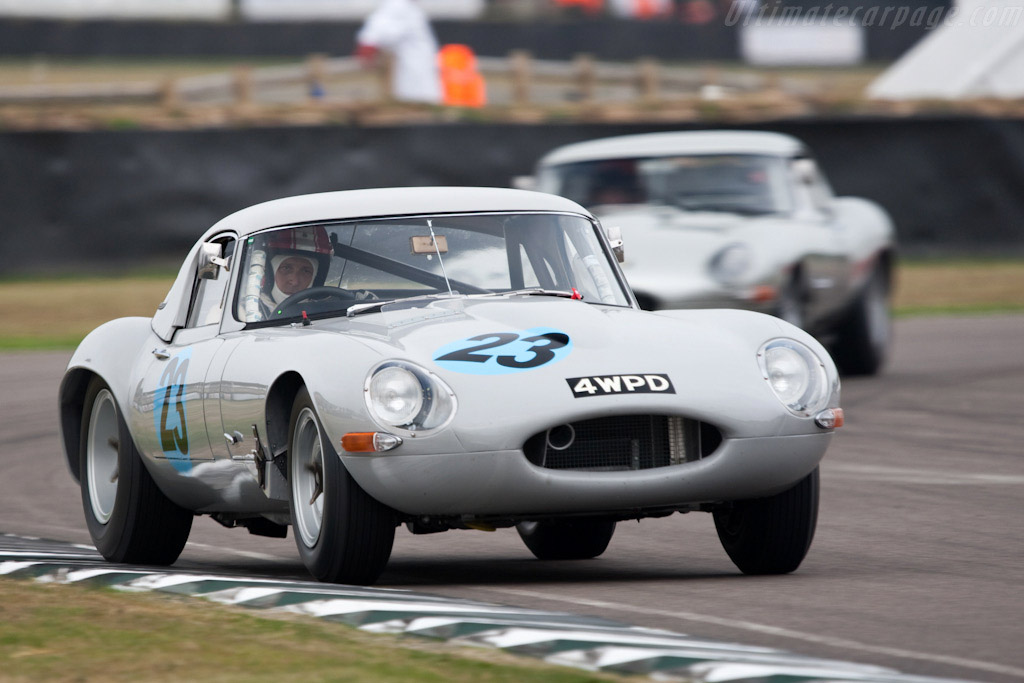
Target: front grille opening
{"type": "Point", "coordinates": [627, 442]}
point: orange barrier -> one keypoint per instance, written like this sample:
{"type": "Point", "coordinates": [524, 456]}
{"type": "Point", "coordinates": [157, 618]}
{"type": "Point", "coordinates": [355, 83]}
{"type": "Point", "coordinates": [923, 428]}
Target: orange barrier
{"type": "Point", "coordinates": [462, 84]}
{"type": "Point", "coordinates": [588, 6]}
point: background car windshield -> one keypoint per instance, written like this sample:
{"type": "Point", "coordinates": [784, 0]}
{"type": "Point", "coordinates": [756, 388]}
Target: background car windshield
{"type": "Point", "coordinates": [739, 183]}
{"type": "Point", "coordinates": [340, 264]}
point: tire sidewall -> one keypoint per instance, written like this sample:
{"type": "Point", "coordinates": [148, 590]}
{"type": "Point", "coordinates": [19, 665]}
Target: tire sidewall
{"type": "Point", "coordinates": [753, 535]}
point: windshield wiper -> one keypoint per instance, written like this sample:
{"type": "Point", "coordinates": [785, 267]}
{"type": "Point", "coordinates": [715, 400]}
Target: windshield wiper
{"type": "Point", "coordinates": [540, 291]}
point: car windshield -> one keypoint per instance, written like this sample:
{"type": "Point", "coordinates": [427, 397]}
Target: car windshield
{"type": "Point", "coordinates": [327, 269]}
{"type": "Point", "coordinates": [734, 183]}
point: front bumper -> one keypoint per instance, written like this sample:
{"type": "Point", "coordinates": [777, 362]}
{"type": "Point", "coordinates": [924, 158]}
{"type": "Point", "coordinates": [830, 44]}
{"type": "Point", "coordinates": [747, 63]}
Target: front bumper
{"type": "Point", "coordinates": [505, 483]}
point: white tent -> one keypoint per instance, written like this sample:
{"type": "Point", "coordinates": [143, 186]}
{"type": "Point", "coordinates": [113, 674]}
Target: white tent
{"type": "Point", "coordinates": [976, 51]}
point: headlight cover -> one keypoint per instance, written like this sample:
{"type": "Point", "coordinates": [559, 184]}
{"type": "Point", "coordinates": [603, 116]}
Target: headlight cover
{"type": "Point", "coordinates": [730, 264]}
{"type": "Point", "coordinates": [407, 399]}
{"type": "Point", "coordinates": [796, 375]}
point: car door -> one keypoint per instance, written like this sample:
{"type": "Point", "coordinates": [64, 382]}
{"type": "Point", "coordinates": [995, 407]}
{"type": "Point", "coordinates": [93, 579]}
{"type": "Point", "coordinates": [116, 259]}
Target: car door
{"type": "Point", "coordinates": [176, 383]}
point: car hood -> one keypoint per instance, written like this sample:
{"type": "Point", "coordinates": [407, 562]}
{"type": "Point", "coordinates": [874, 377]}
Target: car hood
{"type": "Point", "coordinates": [669, 248]}
{"type": "Point", "coordinates": [549, 343]}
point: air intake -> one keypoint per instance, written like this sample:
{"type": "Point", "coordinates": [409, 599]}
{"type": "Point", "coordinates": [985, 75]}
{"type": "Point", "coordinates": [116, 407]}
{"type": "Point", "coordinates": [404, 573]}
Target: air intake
{"type": "Point", "coordinates": [628, 442]}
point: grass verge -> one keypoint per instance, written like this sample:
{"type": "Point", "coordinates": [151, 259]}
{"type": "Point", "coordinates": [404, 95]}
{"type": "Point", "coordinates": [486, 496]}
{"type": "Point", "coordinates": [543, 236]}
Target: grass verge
{"type": "Point", "coordinates": [60, 632]}
{"type": "Point", "coordinates": [58, 313]}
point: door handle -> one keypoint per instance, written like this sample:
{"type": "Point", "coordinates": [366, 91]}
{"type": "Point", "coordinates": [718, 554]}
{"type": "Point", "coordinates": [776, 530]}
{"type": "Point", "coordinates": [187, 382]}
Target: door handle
{"type": "Point", "coordinates": [162, 354]}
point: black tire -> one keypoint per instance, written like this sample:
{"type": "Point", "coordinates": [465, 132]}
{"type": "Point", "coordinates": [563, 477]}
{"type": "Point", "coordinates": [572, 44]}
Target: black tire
{"type": "Point", "coordinates": [792, 302]}
{"type": "Point", "coordinates": [771, 535]}
{"type": "Point", "coordinates": [129, 518]}
{"type": "Point", "coordinates": [568, 539]}
{"type": "Point", "coordinates": [864, 337]}
{"type": "Point", "coordinates": [343, 534]}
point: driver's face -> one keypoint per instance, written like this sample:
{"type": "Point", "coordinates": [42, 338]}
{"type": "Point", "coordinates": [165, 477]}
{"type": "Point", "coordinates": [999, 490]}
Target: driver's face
{"type": "Point", "coordinates": [294, 274]}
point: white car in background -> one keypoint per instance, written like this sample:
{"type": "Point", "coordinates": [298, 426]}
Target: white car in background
{"type": "Point", "coordinates": [739, 219]}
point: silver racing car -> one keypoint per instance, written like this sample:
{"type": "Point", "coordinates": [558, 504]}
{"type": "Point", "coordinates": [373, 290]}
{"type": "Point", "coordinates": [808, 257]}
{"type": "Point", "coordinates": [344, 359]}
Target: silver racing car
{"type": "Point", "coordinates": [438, 358]}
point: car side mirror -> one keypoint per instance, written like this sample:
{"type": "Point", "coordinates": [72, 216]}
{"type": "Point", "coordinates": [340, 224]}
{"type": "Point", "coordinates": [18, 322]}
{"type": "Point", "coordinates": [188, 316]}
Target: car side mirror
{"type": "Point", "coordinates": [614, 234]}
{"type": "Point", "coordinates": [211, 259]}
{"type": "Point", "coordinates": [806, 171]}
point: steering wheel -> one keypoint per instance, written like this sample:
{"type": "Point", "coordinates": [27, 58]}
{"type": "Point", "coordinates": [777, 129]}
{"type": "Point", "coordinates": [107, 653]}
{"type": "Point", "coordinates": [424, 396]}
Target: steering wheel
{"type": "Point", "coordinates": [315, 293]}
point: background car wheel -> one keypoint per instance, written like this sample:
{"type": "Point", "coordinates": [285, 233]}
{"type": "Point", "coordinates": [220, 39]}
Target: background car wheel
{"type": "Point", "coordinates": [129, 517]}
{"type": "Point", "coordinates": [790, 306]}
{"type": "Point", "coordinates": [343, 535]}
{"type": "Point", "coordinates": [771, 535]}
{"type": "Point", "coordinates": [865, 335]}
{"type": "Point", "coordinates": [569, 539]}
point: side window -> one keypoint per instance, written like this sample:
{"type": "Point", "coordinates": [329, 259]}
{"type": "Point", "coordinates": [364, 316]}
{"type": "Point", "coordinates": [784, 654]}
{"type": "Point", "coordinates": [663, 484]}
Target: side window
{"type": "Point", "coordinates": [209, 295]}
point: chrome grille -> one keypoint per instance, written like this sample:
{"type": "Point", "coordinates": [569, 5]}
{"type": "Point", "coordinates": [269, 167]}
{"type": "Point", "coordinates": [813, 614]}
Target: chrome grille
{"type": "Point", "coordinates": [628, 442]}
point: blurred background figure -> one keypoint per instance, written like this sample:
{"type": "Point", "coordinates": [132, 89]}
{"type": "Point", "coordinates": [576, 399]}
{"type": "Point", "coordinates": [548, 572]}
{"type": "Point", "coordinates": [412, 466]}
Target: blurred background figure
{"type": "Point", "coordinates": [401, 28]}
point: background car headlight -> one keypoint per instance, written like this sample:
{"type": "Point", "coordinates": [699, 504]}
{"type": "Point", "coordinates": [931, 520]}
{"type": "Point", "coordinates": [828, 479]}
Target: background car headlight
{"type": "Point", "coordinates": [795, 374]}
{"type": "Point", "coordinates": [731, 263]}
{"type": "Point", "coordinates": [408, 399]}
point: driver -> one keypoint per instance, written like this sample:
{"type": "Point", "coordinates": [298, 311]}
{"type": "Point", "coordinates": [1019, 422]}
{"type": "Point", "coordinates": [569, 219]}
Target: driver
{"type": "Point", "coordinates": [292, 274]}
{"type": "Point", "coordinates": [299, 259]}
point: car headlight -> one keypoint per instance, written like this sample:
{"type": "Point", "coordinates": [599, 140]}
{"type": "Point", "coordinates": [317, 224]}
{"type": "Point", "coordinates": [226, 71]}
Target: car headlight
{"type": "Point", "coordinates": [731, 263]}
{"type": "Point", "coordinates": [408, 399]}
{"type": "Point", "coordinates": [796, 375]}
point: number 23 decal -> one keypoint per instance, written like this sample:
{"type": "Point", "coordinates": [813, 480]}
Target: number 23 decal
{"type": "Point", "coordinates": [500, 353]}
{"type": "Point", "coordinates": [170, 410]}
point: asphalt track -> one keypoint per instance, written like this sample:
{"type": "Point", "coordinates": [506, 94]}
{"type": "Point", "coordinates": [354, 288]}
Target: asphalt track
{"type": "Point", "coordinates": [918, 562]}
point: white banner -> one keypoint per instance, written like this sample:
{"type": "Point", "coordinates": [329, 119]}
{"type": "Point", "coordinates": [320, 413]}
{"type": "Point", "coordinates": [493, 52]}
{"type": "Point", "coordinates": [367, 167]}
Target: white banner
{"type": "Point", "coordinates": [215, 10]}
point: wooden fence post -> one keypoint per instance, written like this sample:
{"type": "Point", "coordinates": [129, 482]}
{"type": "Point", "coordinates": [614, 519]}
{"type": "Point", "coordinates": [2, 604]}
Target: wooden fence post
{"type": "Point", "coordinates": [243, 85]}
{"type": "Point", "coordinates": [169, 95]}
{"type": "Point", "coordinates": [519, 61]}
{"type": "Point", "coordinates": [384, 78]}
{"type": "Point", "coordinates": [585, 76]}
{"type": "Point", "coordinates": [315, 77]}
{"type": "Point", "coordinates": [649, 80]}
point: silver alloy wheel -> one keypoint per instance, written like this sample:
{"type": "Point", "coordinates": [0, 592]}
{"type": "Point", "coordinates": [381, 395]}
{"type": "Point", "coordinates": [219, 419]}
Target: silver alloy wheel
{"type": "Point", "coordinates": [101, 466]}
{"type": "Point", "coordinates": [307, 476]}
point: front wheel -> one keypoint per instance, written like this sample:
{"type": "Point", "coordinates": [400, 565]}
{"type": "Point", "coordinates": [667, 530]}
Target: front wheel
{"type": "Point", "coordinates": [342, 533]}
{"type": "Point", "coordinates": [129, 518]}
{"type": "Point", "coordinates": [865, 335]}
{"type": "Point", "coordinates": [569, 539]}
{"type": "Point", "coordinates": [791, 302]}
{"type": "Point", "coordinates": [771, 535]}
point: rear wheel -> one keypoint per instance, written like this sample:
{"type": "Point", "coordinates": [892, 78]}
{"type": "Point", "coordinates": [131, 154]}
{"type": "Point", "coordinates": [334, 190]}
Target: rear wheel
{"type": "Point", "coordinates": [342, 533]}
{"type": "Point", "coordinates": [865, 335]}
{"type": "Point", "coordinates": [569, 539]}
{"type": "Point", "coordinates": [771, 535]}
{"type": "Point", "coordinates": [129, 517]}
